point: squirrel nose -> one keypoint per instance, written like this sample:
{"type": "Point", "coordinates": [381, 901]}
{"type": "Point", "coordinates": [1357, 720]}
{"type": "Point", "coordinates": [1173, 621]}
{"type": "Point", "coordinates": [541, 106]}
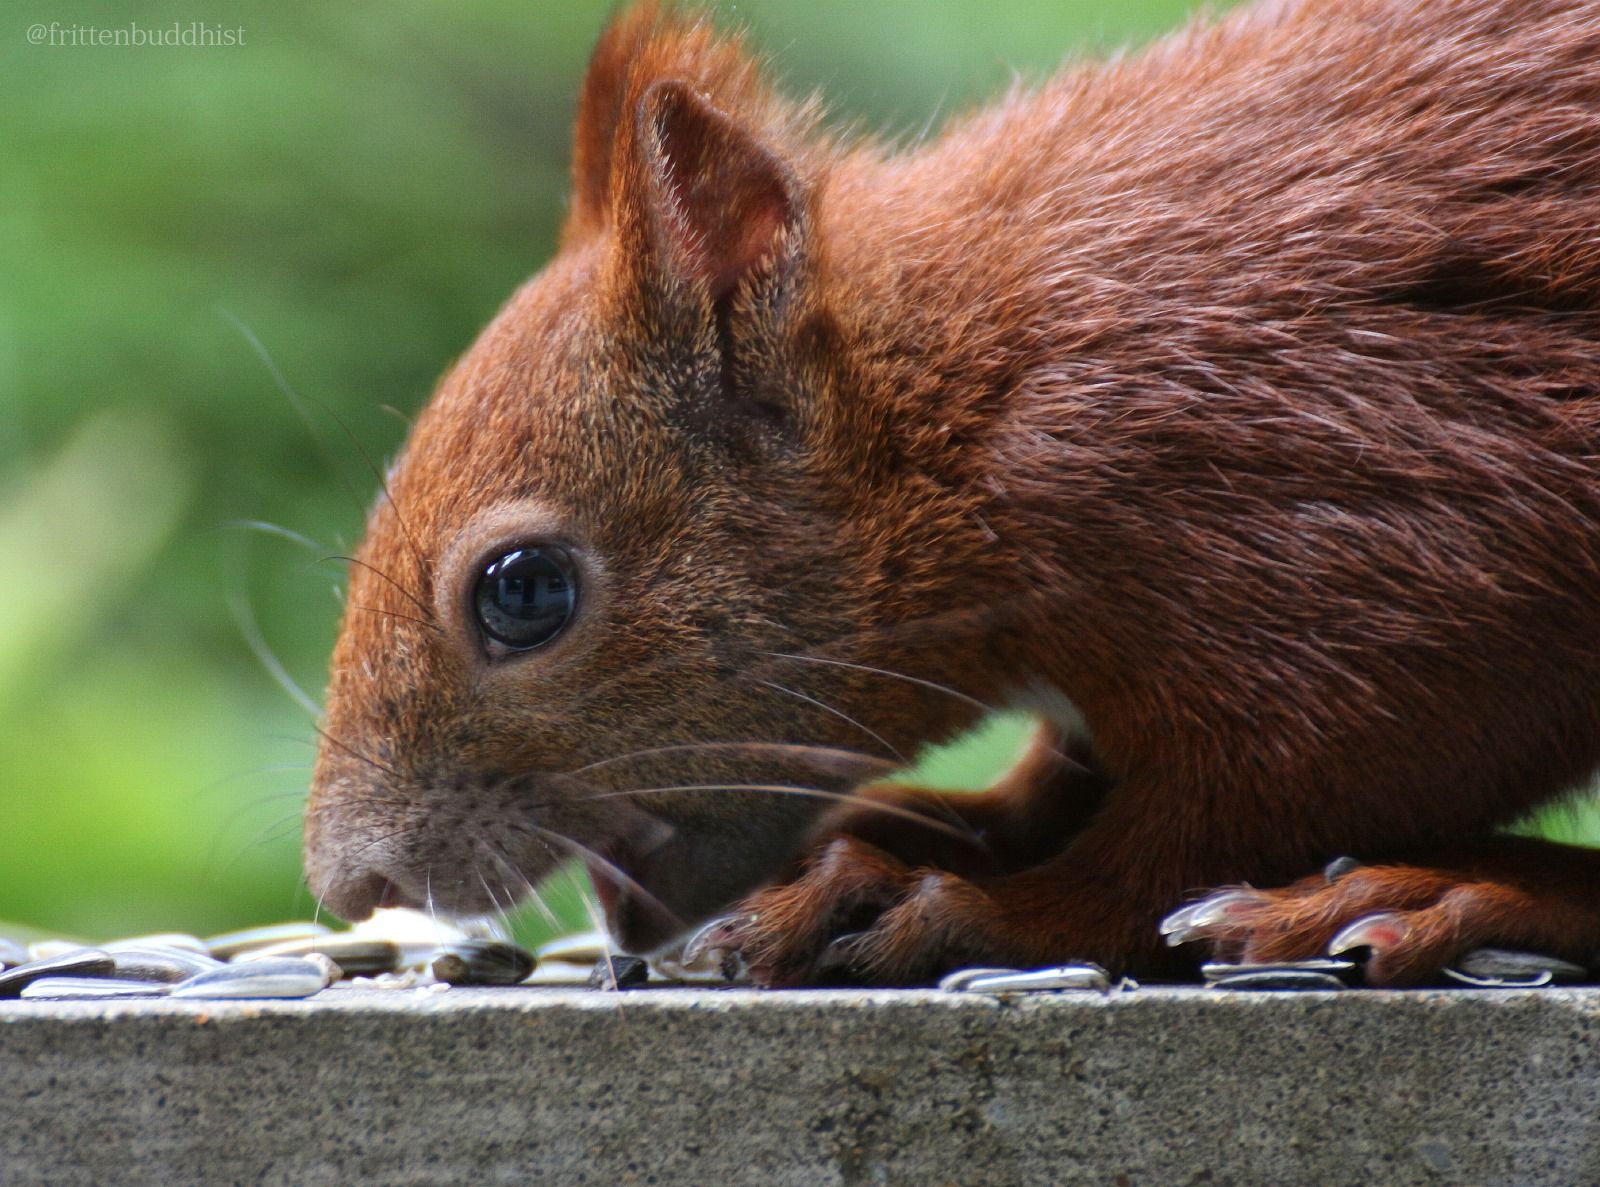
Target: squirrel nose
{"type": "Point", "coordinates": [357, 895]}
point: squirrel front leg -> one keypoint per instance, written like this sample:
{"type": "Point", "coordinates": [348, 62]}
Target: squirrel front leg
{"type": "Point", "coordinates": [859, 914]}
{"type": "Point", "coordinates": [1031, 812]}
{"type": "Point", "coordinates": [1065, 871]}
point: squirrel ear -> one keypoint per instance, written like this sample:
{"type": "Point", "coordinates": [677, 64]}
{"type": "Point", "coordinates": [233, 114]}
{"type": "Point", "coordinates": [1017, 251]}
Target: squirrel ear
{"type": "Point", "coordinates": [719, 203]}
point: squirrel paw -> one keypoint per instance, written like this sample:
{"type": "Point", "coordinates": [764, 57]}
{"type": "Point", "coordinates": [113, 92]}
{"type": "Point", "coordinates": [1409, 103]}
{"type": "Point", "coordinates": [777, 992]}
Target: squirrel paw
{"type": "Point", "coordinates": [1412, 921]}
{"type": "Point", "coordinates": [857, 916]}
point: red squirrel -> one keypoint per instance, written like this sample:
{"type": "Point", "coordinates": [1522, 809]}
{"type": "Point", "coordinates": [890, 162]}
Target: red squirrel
{"type": "Point", "coordinates": [1233, 407]}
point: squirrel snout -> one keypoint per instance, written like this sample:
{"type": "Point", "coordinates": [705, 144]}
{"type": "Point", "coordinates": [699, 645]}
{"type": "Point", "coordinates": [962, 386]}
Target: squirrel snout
{"type": "Point", "coordinates": [354, 895]}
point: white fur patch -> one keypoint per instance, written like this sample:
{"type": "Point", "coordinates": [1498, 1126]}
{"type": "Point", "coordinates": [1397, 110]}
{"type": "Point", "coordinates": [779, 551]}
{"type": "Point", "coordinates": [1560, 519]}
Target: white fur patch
{"type": "Point", "coordinates": [1055, 707]}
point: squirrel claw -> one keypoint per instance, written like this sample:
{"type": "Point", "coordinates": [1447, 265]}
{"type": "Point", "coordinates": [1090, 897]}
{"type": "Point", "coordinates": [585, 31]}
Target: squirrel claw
{"type": "Point", "coordinates": [1385, 929]}
{"type": "Point", "coordinates": [1196, 920]}
{"type": "Point", "coordinates": [716, 940]}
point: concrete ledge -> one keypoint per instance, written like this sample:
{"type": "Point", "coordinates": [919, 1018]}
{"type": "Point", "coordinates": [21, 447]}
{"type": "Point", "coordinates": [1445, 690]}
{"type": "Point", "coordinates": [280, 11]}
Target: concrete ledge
{"type": "Point", "coordinates": [1154, 1088]}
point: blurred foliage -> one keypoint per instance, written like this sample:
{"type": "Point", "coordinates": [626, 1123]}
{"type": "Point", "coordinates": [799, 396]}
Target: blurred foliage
{"type": "Point", "coordinates": [355, 188]}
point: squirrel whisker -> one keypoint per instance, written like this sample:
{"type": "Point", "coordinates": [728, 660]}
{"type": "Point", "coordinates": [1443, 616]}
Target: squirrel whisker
{"type": "Point", "coordinates": [844, 797]}
{"type": "Point", "coordinates": [427, 611]}
{"type": "Point", "coordinates": [839, 713]}
{"type": "Point", "coordinates": [800, 750]}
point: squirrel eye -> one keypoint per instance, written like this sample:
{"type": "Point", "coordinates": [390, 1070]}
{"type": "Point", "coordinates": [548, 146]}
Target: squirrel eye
{"type": "Point", "coordinates": [525, 598]}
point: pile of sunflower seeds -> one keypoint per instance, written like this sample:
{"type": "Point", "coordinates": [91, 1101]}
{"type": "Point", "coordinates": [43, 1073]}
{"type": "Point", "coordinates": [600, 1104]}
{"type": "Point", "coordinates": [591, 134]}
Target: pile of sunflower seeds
{"type": "Point", "coordinates": [395, 949]}
{"type": "Point", "coordinates": [1485, 968]}
{"type": "Point", "coordinates": [400, 949]}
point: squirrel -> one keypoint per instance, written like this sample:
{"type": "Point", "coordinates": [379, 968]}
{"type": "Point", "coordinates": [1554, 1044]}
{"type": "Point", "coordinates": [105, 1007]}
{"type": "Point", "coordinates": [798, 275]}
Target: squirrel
{"type": "Point", "coordinates": [1233, 407]}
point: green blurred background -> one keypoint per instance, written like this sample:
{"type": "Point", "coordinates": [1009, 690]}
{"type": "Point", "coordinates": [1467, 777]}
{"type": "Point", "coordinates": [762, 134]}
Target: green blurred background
{"type": "Point", "coordinates": [335, 205]}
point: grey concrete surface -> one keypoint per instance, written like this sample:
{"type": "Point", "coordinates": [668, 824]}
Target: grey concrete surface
{"type": "Point", "coordinates": [1154, 1088]}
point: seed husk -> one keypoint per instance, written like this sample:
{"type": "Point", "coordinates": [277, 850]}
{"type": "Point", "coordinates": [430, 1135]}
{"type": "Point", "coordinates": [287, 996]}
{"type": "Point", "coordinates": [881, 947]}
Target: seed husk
{"type": "Point", "coordinates": [358, 957]}
{"type": "Point", "coordinates": [92, 987]}
{"type": "Point", "coordinates": [619, 972]}
{"type": "Point", "coordinates": [233, 943]}
{"type": "Point", "coordinates": [1509, 963]}
{"type": "Point", "coordinates": [1283, 979]}
{"type": "Point", "coordinates": [288, 976]}
{"type": "Point", "coordinates": [155, 963]}
{"type": "Point", "coordinates": [1217, 970]}
{"type": "Point", "coordinates": [1506, 968]}
{"type": "Point", "coordinates": [959, 980]}
{"type": "Point", "coordinates": [77, 962]}
{"type": "Point", "coordinates": [1066, 976]}
{"type": "Point", "coordinates": [166, 939]}
{"type": "Point", "coordinates": [50, 949]}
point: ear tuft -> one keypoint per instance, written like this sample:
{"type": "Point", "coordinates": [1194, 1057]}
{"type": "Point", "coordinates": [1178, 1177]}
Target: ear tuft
{"type": "Point", "coordinates": [622, 45]}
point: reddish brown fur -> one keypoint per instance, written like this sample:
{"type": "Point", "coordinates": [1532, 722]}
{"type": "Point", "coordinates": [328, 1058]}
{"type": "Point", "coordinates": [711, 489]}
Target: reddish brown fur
{"type": "Point", "coordinates": [1234, 405]}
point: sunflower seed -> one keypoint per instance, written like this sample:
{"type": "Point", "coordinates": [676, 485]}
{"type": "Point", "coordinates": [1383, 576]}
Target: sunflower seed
{"type": "Point", "coordinates": [1214, 971]}
{"type": "Point", "coordinates": [960, 979]}
{"type": "Point", "coordinates": [584, 947]}
{"type": "Point", "coordinates": [79, 962]}
{"type": "Point", "coordinates": [50, 949]}
{"type": "Point", "coordinates": [358, 957]}
{"type": "Point", "coordinates": [282, 977]}
{"type": "Point", "coordinates": [482, 962]}
{"type": "Point", "coordinates": [230, 944]}
{"type": "Point", "coordinates": [1066, 976]}
{"type": "Point", "coordinates": [91, 987]}
{"type": "Point", "coordinates": [1286, 978]}
{"type": "Point", "coordinates": [170, 965]}
{"type": "Point", "coordinates": [166, 939]}
{"type": "Point", "coordinates": [1504, 966]}
{"type": "Point", "coordinates": [331, 972]}
{"type": "Point", "coordinates": [619, 972]}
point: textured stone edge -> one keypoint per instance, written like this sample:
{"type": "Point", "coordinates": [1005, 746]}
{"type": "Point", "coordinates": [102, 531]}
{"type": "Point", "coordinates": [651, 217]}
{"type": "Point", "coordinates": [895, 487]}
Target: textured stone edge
{"type": "Point", "coordinates": [1158, 1086]}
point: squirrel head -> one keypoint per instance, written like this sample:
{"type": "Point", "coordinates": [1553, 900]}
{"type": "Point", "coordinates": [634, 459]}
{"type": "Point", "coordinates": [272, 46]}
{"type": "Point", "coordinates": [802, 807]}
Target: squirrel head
{"type": "Point", "coordinates": [622, 595]}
